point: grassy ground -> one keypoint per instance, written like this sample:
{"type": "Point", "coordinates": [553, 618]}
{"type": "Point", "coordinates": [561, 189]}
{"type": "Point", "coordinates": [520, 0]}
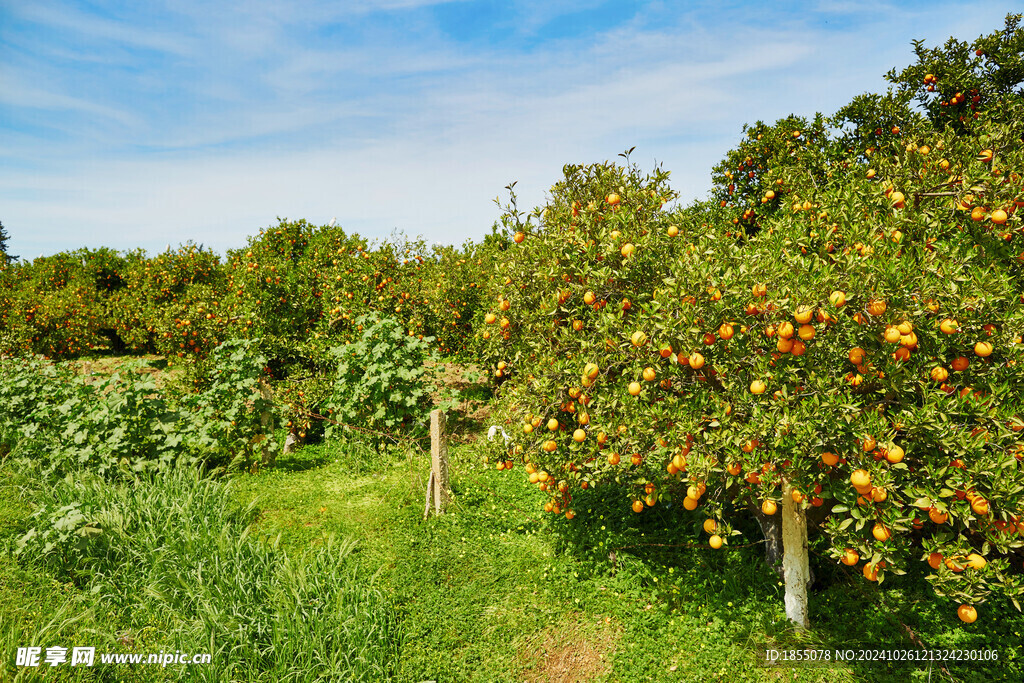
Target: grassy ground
{"type": "Point", "coordinates": [494, 590]}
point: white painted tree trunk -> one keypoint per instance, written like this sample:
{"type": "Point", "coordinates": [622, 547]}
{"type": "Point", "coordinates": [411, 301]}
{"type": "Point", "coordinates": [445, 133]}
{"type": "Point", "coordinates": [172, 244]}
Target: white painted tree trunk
{"type": "Point", "coordinates": [795, 561]}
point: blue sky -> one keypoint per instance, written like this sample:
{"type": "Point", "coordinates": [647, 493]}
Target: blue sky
{"type": "Point", "coordinates": [142, 124]}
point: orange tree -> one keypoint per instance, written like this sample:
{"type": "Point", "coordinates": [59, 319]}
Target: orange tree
{"type": "Point", "coordinates": [855, 360]}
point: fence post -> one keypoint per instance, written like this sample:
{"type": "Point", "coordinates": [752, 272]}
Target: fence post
{"type": "Point", "coordinates": [437, 484]}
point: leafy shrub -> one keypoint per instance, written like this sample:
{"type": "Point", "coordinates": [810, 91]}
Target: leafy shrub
{"type": "Point", "coordinates": [233, 415]}
{"type": "Point", "coordinates": [382, 380]}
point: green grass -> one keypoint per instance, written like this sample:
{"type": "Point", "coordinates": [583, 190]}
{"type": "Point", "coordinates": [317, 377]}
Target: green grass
{"type": "Point", "coordinates": [495, 590]}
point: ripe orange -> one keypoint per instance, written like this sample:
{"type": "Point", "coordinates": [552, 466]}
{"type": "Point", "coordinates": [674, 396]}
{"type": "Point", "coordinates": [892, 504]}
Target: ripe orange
{"type": "Point", "coordinates": [696, 361]}
{"type": "Point", "coordinates": [856, 355]}
{"type": "Point", "coordinates": [638, 506]}
{"type": "Point", "coordinates": [553, 425]}
{"type": "Point", "coordinates": [550, 446]}
{"type": "Point", "coordinates": [806, 333]}
{"type": "Point", "coordinates": [939, 374]}
{"type": "Point", "coordinates": [672, 231]}
{"type": "Point", "coordinates": [830, 459]}
{"type": "Point", "coordinates": [634, 388]}
{"type": "Point", "coordinates": [876, 307]}
{"type": "Point", "coordinates": [860, 479]}
{"type": "Point", "coordinates": [949, 326]}
{"type": "Point", "coordinates": [870, 572]}
{"type": "Point", "coordinates": [638, 338]}
{"type": "Point", "coordinates": [803, 314]}
{"type": "Point", "coordinates": [891, 335]}
{"type": "Point", "coordinates": [649, 374]}
{"type": "Point", "coordinates": [715, 542]}
{"type": "Point", "coordinates": [769, 507]}
{"type": "Point", "coordinates": [998, 217]}
{"type": "Point", "coordinates": [868, 444]}
{"type": "Point", "coordinates": [960, 363]}
{"type": "Point", "coordinates": [579, 436]}
{"type": "Point", "coordinates": [894, 454]}
{"type": "Point", "coordinates": [627, 250]}
{"type": "Point", "coordinates": [976, 561]}
{"type": "Point", "coordinates": [613, 199]}
{"type": "Point", "coordinates": [710, 526]}
{"type": "Point", "coordinates": [983, 349]}
{"type": "Point", "coordinates": [690, 503]}
{"type": "Point", "coordinates": [519, 237]}
{"type": "Point", "coordinates": [734, 469]}
{"type": "Point", "coordinates": [880, 532]}
{"type": "Point", "coordinates": [967, 613]}
{"type": "Point", "coordinates": [613, 458]}
{"type": "Point", "coordinates": [897, 199]}
{"type": "Point", "coordinates": [837, 298]}
{"type": "Point", "coordinates": [726, 331]}
{"type": "Point", "coordinates": [934, 560]}
{"type": "Point", "coordinates": [758, 387]}
{"type": "Point", "coordinates": [980, 506]}
{"type": "Point", "coordinates": [850, 557]}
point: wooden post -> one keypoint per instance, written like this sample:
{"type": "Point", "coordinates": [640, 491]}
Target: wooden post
{"type": "Point", "coordinates": [437, 485]}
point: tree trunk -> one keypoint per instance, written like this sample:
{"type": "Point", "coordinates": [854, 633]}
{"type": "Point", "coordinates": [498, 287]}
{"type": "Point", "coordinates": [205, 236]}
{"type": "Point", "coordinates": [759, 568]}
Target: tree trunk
{"type": "Point", "coordinates": [771, 527]}
{"type": "Point", "coordinates": [795, 561]}
{"type": "Point", "coordinates": [786, 546]}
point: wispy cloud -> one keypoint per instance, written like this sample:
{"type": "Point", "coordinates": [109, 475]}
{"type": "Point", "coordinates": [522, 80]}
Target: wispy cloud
{"type": "Point", "coordinates": [141, 124]}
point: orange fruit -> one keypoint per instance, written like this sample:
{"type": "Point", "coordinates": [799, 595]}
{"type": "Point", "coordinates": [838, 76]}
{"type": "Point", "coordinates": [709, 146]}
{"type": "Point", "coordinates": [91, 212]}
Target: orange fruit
{"type": "Point", "coordinates": [785, 330]}
{"type": "Point", "coordinates": [638, 506]}
{"type": "Point", "coordinates": [939, 374]}
{"type": "Point", "coordinates": [806, 332]}
{"type": "Point", "coordinates": [998, 217]}
{"type": "Point", "coordinates": [850, 557]}
{"type": "Point", "coordinates": [937, 516]}
{"type": "Point", "coordinates": [891, 335]}
{"type": "Point", "coordinates": [976, 561]}
{"type": "Point", "coordinates": [613, 458]}
{"type": "Point", "coordinates": [649, 374]}
{"type": "Point", "coordinates": [860, 479]}
{"type": "Point", "coordinates": [519, 237]}
{"type": "Point", "coordinates": [980, 506]}
{"type": "Point", "coordinates": [803, 314]}
{"type": "Point", "coordinates": [634, 388]}
{"type": "Point", "coordinates": [856, 355]}
{"type": "Point", "coordinates": [638, 338]}
{"type": "Point", "coordinates": [715, 541]}
{"type": "Point", "coordinates": [870, 572]}
{"type": "Point", "coordinates": [880, 532]}
{"type": "Point", "coordinates": [894, 454]}
{"type": "Point", "coordinates": [983, 349]}
{"type": "Point", "coordinates": [550, 446]}
{"type": "Point", "coordinates": [696, 361]}
{"type": "Point", "coordinates": [934, 560]}
{"type": "Point", "coordinates": [690, 503]}
{"type": "Point", "coordinates": [726, 331]}
{"type": "Point", "coordinates": [710, 526]}
{"type": "Point", "coordinates": [734, 469]}
{"type": "Point", "coordinates": [868, 444]}
{"type": "Point", "coordinates": [769, 507]}
{"type": "Point", "coordinates": [837, 298]}
{"type": "Point", "coordinates": [579, 436]}
{"type": "Point", "coordinates": [967, 613]}
{"type": "Point", "coordinates": [876, 307]}
{"type": "Point", "coordinates": [949, 326]}
{"type": "Point", "coordinates": [830, 459]}
{"type": "Point", "coordinates": [758, 387]}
